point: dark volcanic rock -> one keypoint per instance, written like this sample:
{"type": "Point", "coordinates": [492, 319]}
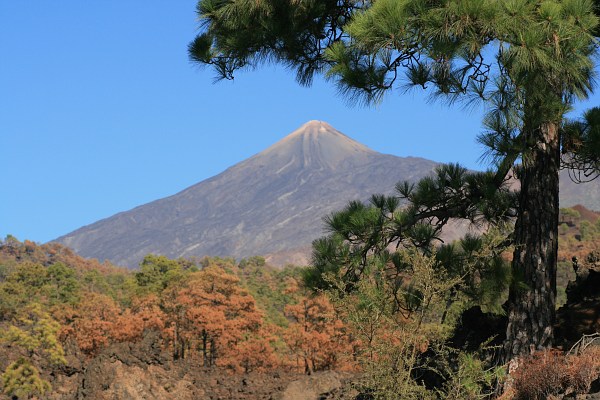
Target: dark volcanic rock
{"type": "Point", "coordinates": [581, 313]}
{"type": "Point", "coordinates": [476, 327]}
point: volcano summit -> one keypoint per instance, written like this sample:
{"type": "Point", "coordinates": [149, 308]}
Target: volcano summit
{"type": "Point", "coordinates": [271, 204]}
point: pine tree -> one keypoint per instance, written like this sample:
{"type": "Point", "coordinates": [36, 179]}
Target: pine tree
{"type": "Point", "coordinates": [527, 60]}
{"type": "Point", "coordinates": [22, 380]}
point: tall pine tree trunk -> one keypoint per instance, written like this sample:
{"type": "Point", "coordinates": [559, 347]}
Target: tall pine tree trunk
{"type": "Point", "coordinates": [531, 311]}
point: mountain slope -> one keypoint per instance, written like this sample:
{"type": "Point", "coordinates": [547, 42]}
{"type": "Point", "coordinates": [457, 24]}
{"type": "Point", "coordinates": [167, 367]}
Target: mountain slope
{"type": "Point", "coordinates": [587, 193]}
{"type": "Point", "coordinates": [271, 203]}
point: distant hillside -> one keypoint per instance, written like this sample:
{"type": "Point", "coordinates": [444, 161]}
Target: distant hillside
{"type": "Point", "coordinates": [579, 233]}
{"type": "Point", "coordinates": [586, 194]}
{"type": "Point", "coordinates": [270, 204]}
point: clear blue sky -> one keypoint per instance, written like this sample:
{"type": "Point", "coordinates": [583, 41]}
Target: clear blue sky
{"type": "Point", "coordinates": [101, 111]}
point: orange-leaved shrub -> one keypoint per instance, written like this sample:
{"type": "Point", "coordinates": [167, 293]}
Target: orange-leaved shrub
{"type": "Point", "coordinates": [316, 337]}
{"type": "Point", "coordinates": [211, 314]}
{"type": "Point", "coordinates": [97, 321]}
{"type": "Point", "coordinates": [551, 372]}
{"type": "Point", "coordinates": [583, 369]}
{"type": "Point", "coordinates": [540, 375]}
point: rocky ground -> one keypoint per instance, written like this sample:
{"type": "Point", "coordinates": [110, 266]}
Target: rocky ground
{"type": "Point", "coordinates": [110, 378]}
{"type": "Point", "coordinates": [140, 371]}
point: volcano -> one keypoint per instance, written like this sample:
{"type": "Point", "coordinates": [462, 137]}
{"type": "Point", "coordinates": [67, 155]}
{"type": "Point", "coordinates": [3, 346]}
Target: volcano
{"type": "Point", "coordinates": [271, 204]}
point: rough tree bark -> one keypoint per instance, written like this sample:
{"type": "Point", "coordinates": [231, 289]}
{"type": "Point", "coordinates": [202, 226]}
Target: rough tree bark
{"type": "Point", "coordinates": [531, 311]}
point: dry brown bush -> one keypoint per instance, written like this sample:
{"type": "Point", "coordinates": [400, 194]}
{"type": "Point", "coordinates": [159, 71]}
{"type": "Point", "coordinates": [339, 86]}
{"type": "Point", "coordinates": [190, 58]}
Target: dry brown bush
{"type": "Point", "coordinates": [539, 375]}
{"type": "Point", "coordinates": [551, 372]}
{"type": "Point", "coordinates": [583, 369]}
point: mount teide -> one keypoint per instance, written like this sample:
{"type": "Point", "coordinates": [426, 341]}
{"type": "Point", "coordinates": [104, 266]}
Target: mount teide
{"type": "Point", "coordinates": [271, 204]}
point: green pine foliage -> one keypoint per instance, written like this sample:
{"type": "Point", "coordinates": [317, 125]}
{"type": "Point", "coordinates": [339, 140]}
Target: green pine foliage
{"type": "Point", "coordinates": [36, 332]}
{"type": "Point", "coordinates": [472, 379]}
{"type": "Point", "coordinates": [158, 272]}
{"type": "Point", "coordinates": [22, 380]}
{"type": "Point", "coordinates": [403, 323]}
{"type": "Point", "coordinates": [268, 286]}
{"type": "Point", "coordinates": [363, 236]}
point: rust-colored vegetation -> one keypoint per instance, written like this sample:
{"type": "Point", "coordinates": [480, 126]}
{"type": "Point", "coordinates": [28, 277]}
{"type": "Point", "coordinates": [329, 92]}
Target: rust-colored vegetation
{"type": "Point", "coordinates": [57, 308]}
{"type": "Point", "coordinates": [60, 312]}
